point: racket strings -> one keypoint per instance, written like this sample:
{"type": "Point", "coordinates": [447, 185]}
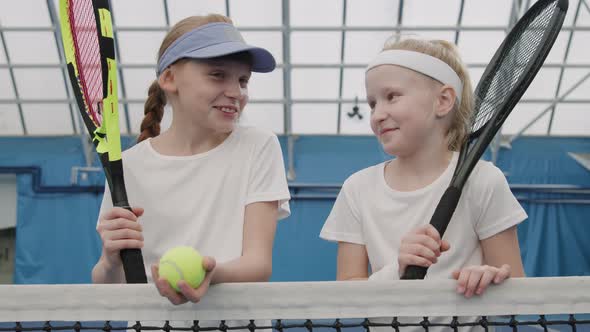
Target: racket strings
{"type": "Point", "coordinates": [512, 67]}
{"type": "Point", "coordinates": [85, 35]}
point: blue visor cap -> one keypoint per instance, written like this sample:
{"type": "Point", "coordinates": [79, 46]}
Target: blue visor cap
{"type": "Point", "coordinates": [214, 40]}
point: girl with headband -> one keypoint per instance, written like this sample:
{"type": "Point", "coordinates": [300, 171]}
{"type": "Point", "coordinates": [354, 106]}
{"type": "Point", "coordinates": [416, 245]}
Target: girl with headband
{"type": "Point", "coordinates": [421, 101]}
{"type": "Point", "coordinates": [206, 182]}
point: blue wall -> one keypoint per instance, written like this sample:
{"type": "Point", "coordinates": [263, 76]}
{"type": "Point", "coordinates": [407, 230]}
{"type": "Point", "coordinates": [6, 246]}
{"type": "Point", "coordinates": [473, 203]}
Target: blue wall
{"type": "Point", "coordinates": [57, 242]}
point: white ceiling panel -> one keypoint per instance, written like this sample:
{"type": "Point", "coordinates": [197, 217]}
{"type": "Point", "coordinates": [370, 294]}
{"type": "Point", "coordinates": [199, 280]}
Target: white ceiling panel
{"type": "Point", "coordinates": [428, 12]}
{"type": "Point", "coordinates": [24, 13]}
{"type": "Point", "coordinates": [50, 119]}
{"type": "Point", "coordinates": [314, 83]}
{"type": "Point", "coordinates": [372, 13]}
{"type": "Point", "coordinates": [354, 125]}
{"type": "Point", "coordinates": [315, 118]}
{"type": "Point", "coordinates": [315, 47]}
{"type": "Point", "coordinates": [179, 9]}
{"type": "Point", "coordinates": [139, 47]}
{"type": "Point", "coordinates": [266, 85]}
{"type": "Point", "coordinates": [486, 13]}
{"type": "Point", "coordinates": [316, 13]}
{"type": "Point", "coordinates": [522, 115]}
{"type": "Point", "coordinates": [268, 116]}
{"type": "Point", "coordinates": [40, 83]}
{"type": "Point", "coordinates": [10, 123]}
{"type": "Point", "coordinates": [268, 13]}
{"type": "Point", "coordinates": [571, 120]}
{"type": "Point", "coordinates": [31, 47]}
{"type": "Point", "coordinates": [125, 13]}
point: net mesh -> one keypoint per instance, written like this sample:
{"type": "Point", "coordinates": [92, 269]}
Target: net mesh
{"type": "Point", "coordinates": [528, 304]}
{"type": "Point", "coordinates": [85, 35]}
{"type": "Point", "coordinates": [528, 39]}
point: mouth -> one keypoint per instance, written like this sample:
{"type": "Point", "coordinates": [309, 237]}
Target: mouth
{"type": "Point", "coordinates": [227, 110]}
{"type": "Point", "coordinates": [387, 130]}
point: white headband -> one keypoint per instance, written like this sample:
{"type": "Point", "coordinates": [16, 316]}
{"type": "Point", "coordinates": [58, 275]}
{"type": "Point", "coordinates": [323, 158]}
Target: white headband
{"type": "Point", "coordinates": [422, 63]}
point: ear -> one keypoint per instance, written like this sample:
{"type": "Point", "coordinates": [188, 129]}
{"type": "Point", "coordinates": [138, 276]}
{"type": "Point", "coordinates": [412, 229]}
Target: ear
{"type": "Point", "coordinates": [445, 101]}
{"type": "Point", "coordinates": [167, 82]}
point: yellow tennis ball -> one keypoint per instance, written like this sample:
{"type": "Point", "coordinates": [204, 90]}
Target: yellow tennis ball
{"type": "Point", "coordinates": [182, 263]}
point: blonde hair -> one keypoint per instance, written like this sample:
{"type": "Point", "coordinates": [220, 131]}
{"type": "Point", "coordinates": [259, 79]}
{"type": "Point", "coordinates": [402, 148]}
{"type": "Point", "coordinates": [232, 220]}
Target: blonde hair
{"type": "Point", "coordinates": [447, 52]}
{"type": "Point", "coordinates": [156, 100]}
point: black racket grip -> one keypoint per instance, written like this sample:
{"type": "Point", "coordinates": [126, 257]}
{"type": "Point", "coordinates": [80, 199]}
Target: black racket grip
{"type": "Point", "coordinates": [133, 264]}
{"type": "Point", "coordinates": [440, 220]}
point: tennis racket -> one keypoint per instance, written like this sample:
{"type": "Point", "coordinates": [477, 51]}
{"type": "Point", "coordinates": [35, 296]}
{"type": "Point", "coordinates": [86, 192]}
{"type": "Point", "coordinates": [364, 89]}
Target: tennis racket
{"type": "Point", "coordinates": [88, 43]}
{"type": "Point", "coordinates": [504, 81]}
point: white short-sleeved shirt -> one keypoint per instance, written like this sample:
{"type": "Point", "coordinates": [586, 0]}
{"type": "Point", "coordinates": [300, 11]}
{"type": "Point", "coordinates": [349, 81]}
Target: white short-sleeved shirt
{"type": "Point", "coordinates": [369, 212]}
{"type": "Point", "coordinates": [200, 200]}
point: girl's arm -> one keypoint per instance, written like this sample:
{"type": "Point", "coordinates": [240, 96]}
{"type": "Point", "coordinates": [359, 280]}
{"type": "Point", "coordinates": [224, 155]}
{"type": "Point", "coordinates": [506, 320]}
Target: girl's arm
{"type": "Point", "coordinates": [501, 257]}
{"type": "Point", "coordinates": [503, 248]}
{"type": "Point", "coordinates": [255, 264]}
{"type": "Point", "coordinates": [353, 262]}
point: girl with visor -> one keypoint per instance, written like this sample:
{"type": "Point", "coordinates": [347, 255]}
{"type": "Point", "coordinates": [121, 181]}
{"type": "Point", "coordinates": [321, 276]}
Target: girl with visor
{"type": "Point", "coordinates": [206, 182]}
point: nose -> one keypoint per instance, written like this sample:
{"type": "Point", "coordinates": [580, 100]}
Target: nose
{"type": "Point", "coordinates": [379, 113]}
{"type": "Point", "coordinates": [234, 90]}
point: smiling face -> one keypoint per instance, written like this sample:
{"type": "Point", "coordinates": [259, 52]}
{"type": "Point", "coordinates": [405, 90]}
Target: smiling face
{"type": "Point", "coordinates": [209, 94]}
{"type": "Point", "coordinates": [403, 109]}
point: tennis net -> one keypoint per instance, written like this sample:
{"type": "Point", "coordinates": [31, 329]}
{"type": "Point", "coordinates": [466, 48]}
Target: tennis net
{"type": "Point", "coordinates": [560, 304]}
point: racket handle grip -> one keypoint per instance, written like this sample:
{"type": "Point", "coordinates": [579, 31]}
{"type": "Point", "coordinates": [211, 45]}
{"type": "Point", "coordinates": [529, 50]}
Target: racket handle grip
{"type": "Point", "coordinates": [440, 220]}
{"type": "Point", "coordinates": [133, 263]}
{"type": "Point", "coordinates": [133, 266]}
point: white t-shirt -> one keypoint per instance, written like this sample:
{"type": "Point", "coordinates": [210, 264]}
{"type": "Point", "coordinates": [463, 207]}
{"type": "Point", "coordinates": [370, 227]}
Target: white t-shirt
{"type": "Point", "coordinates": [369, 212]}
{"type": "Point", "coordinates": [200, 200]}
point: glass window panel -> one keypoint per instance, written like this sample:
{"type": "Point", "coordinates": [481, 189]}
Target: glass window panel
{"type": "Point", "coordinates": [315, 83]}
{"type": "Point", "coordinates": [2, 55]}
{"type": "Point", "coordinates": [6, 89]}
{"type": "Point", "coordinates": [314, 118]}
{"type": "Point", "coordinates": [24, 13]}
{"type": "Point", "coordinates": [316, 13]}
{"type": "Point", "coordinates": [266, 13]}
{"type": "Point", "coordinates": [361, 47]}
{"type": "Point", "coordinates": [267, 116]}
{"type": "Point", "coordinates": [354, 84]}
{"type": "Point", "coordinates": [558, 50]}
{"type": "Point", "coordinates": [584, 16]}
{"type": "Point", "coordinates": [180, 9]}
{"type": "Point", "coordinates": [139, 47]}
{"type": "Point", "coordinates": [372, 13]}
{"type": "Point", "coordinates": [428, 34]}
{"type": "Point", "coordinates": [522, 115]}
{"type": "Point", "coordinates": [125, 13]}
{"type": "Point", "coordinates": [272, 41]}
{"type": "Point", "coordinates": [579, 48]}
{"type": "Point", "coordinates": [429, 13]}
{"type": "Point", "coordinates": [571, 120]}
{"type": "Point", "coordinates": [315, 47]}
{"type": "Point", "coordinates": [479, 46]}
{"type": "Point", "coordinates": [31, 47]}
{"type": "Point", "coordinates": [486, 13]}
{"type": "Point", "coordinates": [10, 123]}
{"type": "Point", "coordinates": [48, 119]}
{"type": "Point", "coordinates": [266, 85]}
{"type": "Point", "coordinates": [571, 77]}
{"type": "Point", "coordinates": [543, 85]}
{"type": "Point", "coordinates": [40, 83]}
{"type": "Point", "coordinates": [137, 82]}
{"type": "Point", "coordinates": [353, 125]}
